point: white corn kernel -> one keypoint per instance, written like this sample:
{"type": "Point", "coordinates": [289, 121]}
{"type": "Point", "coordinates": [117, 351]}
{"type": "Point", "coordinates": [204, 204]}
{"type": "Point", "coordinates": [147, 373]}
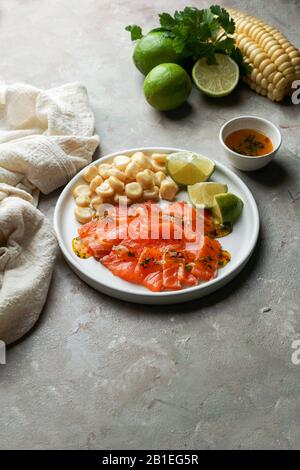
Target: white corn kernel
{"type": "Point", "coordinates": [158, 166]}
{"type": "Point", "coordinates": [81, 190]}
{"type": "Point", "coordinates": [116, 184]}
{"type": "Point", "coordinates": [145, 179]}
{"type": "Point", "coordinates": [89, 173]}
{"type": "Point", "coordinates": [142, 160]}
{"type": "Point", "coordinates": [131, 170]}
{"type": "Point", "coordinates": [96, 201]}
{"type": "Point", "coordinates": [105, 190]}
{"type": "Point", "coordinates": [159, 158]}
{"type": "Point", "coordinates": [168, 189]}
{"type": "Point", "coordinates": [103, 169]}
{"type": "Point", "coordinates": [121, 162]}
{"type": "Point", "coordinates": [159, 177]}
{"type": "Point", "coordinates": [95, 182]}
{"type": "Point", "coordinates": [83, 201]}
{"type": "Point", "coordinates": [117, 173]}
{"type": "Point", "coordinates": [152, 193]}
{"type": "Point", "coordinates": [83, 214]}
{"type": "Point", "coordinates": [150, 172]}
{"type": "Point", "coordinates": [133, 190]}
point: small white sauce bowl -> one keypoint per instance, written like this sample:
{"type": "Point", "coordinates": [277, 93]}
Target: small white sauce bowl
{"type": "Point", "coordinates": [243, 162]}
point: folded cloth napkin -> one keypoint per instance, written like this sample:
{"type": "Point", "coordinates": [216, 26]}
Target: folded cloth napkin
{"type": "Point", "coordinates": [45, 138]}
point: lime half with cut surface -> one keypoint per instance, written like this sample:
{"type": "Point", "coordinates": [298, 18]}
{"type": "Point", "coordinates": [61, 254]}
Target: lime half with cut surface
{"type": "Point", "coordinates": [216, 80]}
{"type": "Point", "coordinates": [203, 194]}
{"type": "Point", "coordinates": [187, 168]}
{"type": "Point", "coordinates": [227, 208]}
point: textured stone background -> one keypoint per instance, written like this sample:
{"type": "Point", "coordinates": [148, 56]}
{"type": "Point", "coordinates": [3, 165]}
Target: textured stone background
{"type": "Point", "coordinates": [99, 373]}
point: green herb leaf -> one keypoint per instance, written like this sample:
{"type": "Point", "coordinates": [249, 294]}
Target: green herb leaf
{"type": "Point", "coordinates": [224, 18]}
{"type": "Point", "coordinates": [199, 33]}
{"type": "Point", "coordinates": [135, 31]}
{"type": "Point", "coordinates": [237, 56]}
{"type": "Point", "coordinates": [160, 30]}
{"type": "Point", "coordinates": [166, 21]}
{"type": "Point", "coordinates": [211, 58]}
{"type": "Point", "coordinates": [226, 45]}
{"type": "Point", "coordinates": [179, 44]}
{"type": "Point", "coordinates": [208, 16]}
{"type": "Point", "coordinates": [245, 69]}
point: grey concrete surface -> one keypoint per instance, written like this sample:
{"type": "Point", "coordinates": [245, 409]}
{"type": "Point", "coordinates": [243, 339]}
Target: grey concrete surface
{"type": "Point", "coordinates": [97, 373]}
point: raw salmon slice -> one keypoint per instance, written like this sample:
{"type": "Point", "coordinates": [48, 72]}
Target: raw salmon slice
{"type": "Point", "coordinates": [154, 281]}
{"type": "Point", "coordinates": [149, 262]}
{"type": "Point", "coordinates": [88, 230]}
{"type": "Point", "coordinates": [123, 269]}
{"type": "Point", "coordinates": [100, 248]}
{"type": "Point", "coordinates": [205, 266]}
{"type": "Point", "coordinates": [148, 270]}
{"type": "Point", "coordinates": [121, 261]}
{"type": "Point", "coordinates": [186, 278]}
{"type": "Point", "coordinates": [173, 265]}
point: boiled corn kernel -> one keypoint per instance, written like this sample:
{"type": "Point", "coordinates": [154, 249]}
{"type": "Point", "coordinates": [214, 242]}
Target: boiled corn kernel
{"type": "Point", "coordinates": [121, 162]}
{"type": "Point", "coordinates": [103, 170]}
{"type": "Point", "coordinates": [145, 179]}
{"type": "Point", "coordinates": [95, 183]}
{"type": "Point", "coordinates": [83, 214]}
{"type": "Point", "coordinates": [159, 176]}
{"type": "Point", "coordinates": [274, 60]}
{"type": "Point", "coordinates": [81, 190]}
{"type": "Point", "coordinates": [152, 193]}
{"type": "Point", "coordinates": [83, 201]}
{"type": "Point", "coordinates": [168, 189]}
{"type": "Point", "coordinates": [89, 173]}
{"type": "Point", "coordinates": [142, 160]}
{"type": "Point", "coordinates": [133, 190]}
{"type": "Point", "coordinates": [116, 184]}
{"type": "Point", "coordinates": [105, 190]}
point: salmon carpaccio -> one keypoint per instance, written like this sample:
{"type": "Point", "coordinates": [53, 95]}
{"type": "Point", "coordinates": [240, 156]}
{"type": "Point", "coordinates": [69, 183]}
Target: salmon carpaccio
{"type": "Point", "coordinates": [154, 251]}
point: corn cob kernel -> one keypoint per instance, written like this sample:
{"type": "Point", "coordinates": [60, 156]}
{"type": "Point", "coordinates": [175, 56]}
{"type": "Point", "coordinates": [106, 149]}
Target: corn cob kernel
{"type": "Point", "coordinates": [275, 61]}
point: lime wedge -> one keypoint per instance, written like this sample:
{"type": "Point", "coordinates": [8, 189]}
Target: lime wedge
{"type": "Point", "coordinates": [216, 80]}
{"type": "Point", "coordinates": [227, 208]}
{"type": "Point", "coordinates": [203, 194]}
{"type": "Point", "coordinates": [189, 168]}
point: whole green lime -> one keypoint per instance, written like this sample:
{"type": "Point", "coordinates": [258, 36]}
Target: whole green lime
{"type": "Point", "coordinates": [153, 49]}
{"type": "Point", "coordinates": [167, 86]}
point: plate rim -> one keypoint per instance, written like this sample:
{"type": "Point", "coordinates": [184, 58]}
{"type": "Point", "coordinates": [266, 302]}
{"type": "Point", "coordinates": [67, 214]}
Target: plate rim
{"type": "Point", "coordinates": [142, 297]}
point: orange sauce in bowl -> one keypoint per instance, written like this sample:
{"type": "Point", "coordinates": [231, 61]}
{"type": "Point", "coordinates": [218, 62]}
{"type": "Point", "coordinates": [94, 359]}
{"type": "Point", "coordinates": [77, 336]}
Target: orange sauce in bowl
{"type": "Point", "coordinates": [249, 142]}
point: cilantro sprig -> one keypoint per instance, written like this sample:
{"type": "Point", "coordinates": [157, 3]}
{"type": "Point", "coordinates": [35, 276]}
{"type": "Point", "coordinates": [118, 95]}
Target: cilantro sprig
{"type": "Point", "coordinates": [200, 33]}
{"type": "Point", "coordinates": [135, 31]}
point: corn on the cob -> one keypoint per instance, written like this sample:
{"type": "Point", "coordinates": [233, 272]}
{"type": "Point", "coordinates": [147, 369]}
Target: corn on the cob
{"type": "Point", "coordinates": [274, 60]}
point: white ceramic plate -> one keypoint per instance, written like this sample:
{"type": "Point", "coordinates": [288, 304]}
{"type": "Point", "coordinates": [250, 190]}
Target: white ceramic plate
{"type": "Point", "coordinates": [240, 243]}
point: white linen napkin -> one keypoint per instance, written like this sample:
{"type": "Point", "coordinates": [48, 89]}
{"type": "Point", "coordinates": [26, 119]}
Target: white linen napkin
{"type": "Point", "coordinates": [45, 138]}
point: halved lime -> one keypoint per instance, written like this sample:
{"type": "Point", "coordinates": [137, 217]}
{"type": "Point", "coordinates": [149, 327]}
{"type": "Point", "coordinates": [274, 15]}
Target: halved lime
{"type": "Point", "coordinates": [216, 80]}
{"type": "Point", "coordinates": [202, 194]}
{"type": "Point", "coordinates": [187, 168]}
{"type": "Point", "coordinates": [227, 208]}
